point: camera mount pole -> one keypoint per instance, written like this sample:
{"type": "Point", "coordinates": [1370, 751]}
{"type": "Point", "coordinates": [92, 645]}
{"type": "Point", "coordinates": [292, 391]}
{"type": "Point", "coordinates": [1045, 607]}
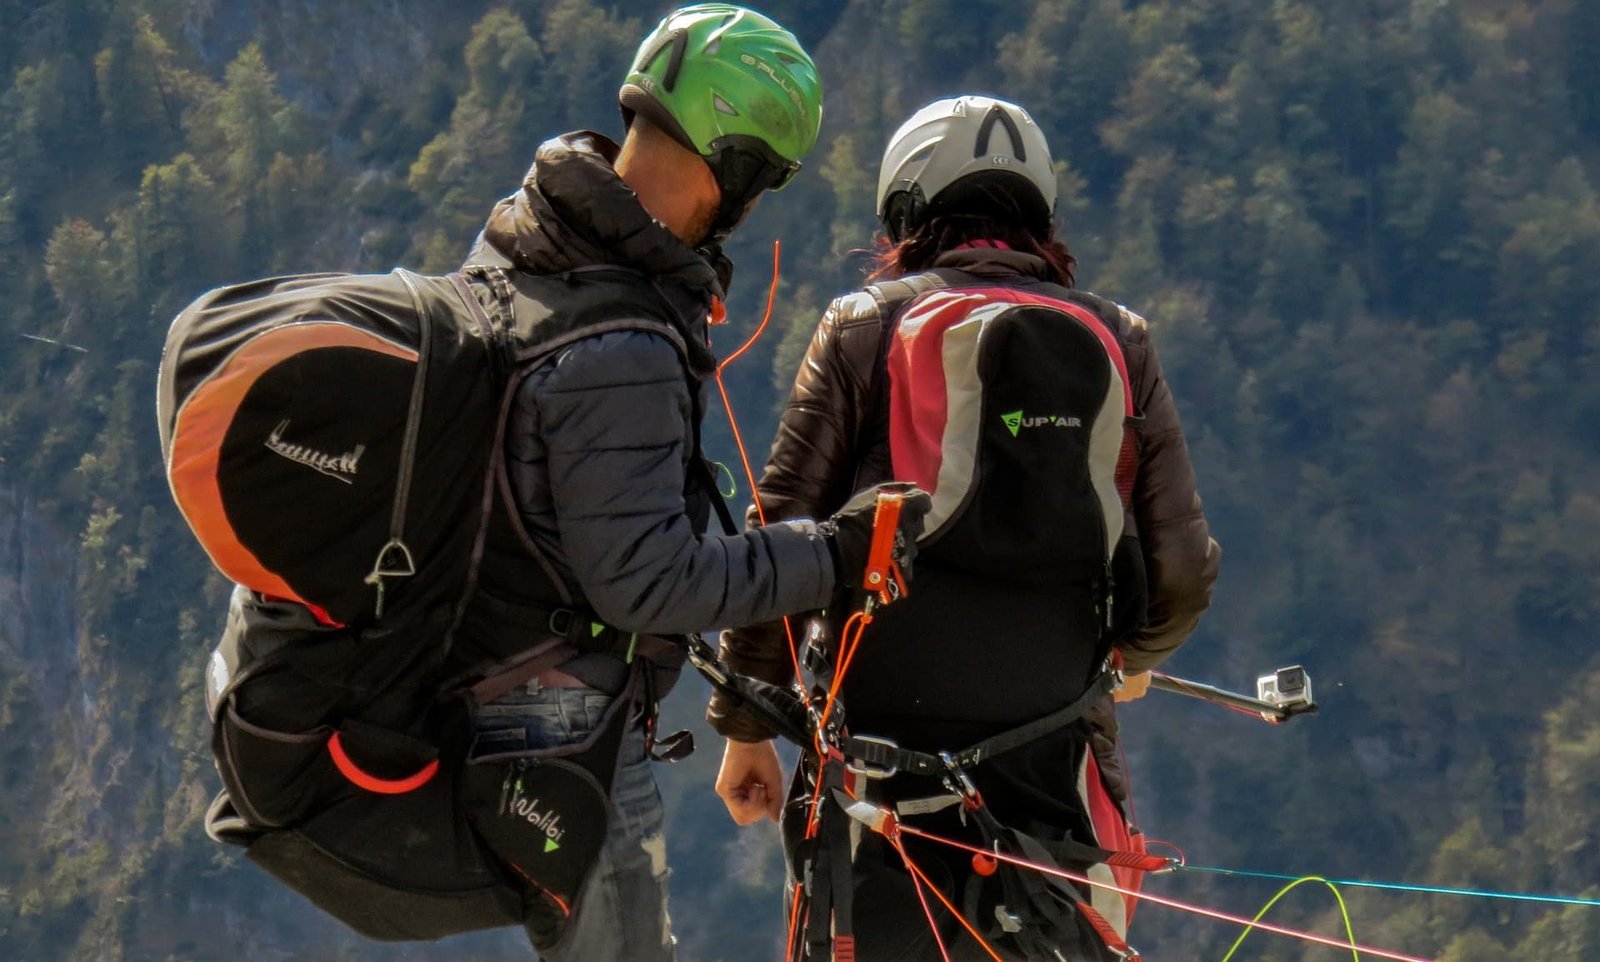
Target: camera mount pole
{"type": "Point", "coordinates": [1281, 695]}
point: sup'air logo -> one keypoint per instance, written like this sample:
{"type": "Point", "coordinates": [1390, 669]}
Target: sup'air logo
{"type": "Point", "coordinates": [1015, 421]}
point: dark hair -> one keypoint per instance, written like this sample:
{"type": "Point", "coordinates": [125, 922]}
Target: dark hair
{"type": "Point", "coordinates": [991, 206]}
{"type": "Point", "coordinates": [941, 233]}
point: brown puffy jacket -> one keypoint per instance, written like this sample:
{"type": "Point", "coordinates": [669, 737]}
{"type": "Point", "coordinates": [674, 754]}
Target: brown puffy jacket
{"type": "Point", "coordinates": [825, 450]}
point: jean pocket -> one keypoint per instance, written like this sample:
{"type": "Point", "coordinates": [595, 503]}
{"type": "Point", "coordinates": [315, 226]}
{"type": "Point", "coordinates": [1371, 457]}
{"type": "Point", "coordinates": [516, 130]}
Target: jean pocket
{"type": "Point", "coordinates": [548, 717]}
{"type": "Point", "coordinates": [496, 741]}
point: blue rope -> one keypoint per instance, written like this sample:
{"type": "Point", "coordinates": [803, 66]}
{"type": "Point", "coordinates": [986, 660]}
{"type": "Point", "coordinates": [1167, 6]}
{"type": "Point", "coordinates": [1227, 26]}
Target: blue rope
{"type": "Point", "coordinates": [1401, 887]}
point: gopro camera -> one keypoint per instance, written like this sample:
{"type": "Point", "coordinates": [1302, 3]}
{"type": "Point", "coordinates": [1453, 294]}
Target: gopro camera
{"type": "Point", "coordinates": [1288, 690]}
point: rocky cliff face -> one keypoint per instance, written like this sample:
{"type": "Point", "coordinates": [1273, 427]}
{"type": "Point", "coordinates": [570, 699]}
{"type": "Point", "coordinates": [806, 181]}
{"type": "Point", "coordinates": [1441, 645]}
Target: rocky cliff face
{"type": "Point", "coordinates": [104, 774]}
{"type": "Point", "coordinates": [37, 573]}
{"type": "Point", "coordinates": [46, 714]}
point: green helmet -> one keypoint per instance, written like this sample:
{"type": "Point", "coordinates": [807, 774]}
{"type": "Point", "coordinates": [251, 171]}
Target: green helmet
{"type": "Point", "coordinates": [734, 87]}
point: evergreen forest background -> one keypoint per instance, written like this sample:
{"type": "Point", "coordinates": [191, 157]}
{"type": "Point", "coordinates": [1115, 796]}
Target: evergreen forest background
{"type": "Point", "coordinates": [1367, 235]}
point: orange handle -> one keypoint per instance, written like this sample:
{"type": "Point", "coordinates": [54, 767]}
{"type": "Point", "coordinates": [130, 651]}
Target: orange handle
{"type": "Point", "coordinates": [882, 576]}
{"type": "Point", "coordinates": [372, 783]}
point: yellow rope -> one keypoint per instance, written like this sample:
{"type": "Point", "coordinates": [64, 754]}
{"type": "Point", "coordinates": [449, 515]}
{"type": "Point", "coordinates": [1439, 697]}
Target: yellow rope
{"type": "Point", "coordinates": [1349, 929]}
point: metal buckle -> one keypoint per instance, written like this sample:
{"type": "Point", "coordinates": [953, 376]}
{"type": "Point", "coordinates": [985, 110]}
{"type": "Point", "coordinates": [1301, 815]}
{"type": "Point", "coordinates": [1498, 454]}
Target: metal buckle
{"type": "Point", "coordinates": [1113, 666]}
{"type": "Point", "coordinates": [562, 620]}
{"type": "Point", "coordinates": [815, 653]}
{"type": "Point", "coordinates": [869, 770]}
{"type": "Point", "coordinates": [957, 779]}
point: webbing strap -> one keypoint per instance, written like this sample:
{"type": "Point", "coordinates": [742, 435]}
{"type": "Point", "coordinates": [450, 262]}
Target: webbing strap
{"type": "Point", "coordinates": [719, 505]}
{"type": "Point", "coordinates": [1061, 850]}
{"type": "Point", "coordinates": [832, 890]}
{"type": "Point", "coordinates": [885, 755]}
{"type": "Point", "coordinates": [548, 655]}
{"type": "Point", "coordinates": [890, 296]}
{"type": "Point", "coordinates": [500, 285]}
{"type": "Point", "coordinates": [1035, 887]}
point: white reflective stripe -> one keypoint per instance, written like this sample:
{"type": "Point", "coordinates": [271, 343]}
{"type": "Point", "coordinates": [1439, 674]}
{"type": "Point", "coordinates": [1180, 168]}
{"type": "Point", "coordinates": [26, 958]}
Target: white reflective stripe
{"type": "Point", "coordinates": [1109, 904]}
{"type": "Point", "coordinates": [926, 806]}
{"type": "Point", "coordinates": [958, 447]}
{"type": "Point", "coordinates": [929, 307]}
{"type": "Point", "coordinates": [1105, 447]}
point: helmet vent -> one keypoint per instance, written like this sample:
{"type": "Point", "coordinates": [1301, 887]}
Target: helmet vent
{"type": "Point", "coordinates": [723, 107]}
{"type": "Point", "coordinates": [678, 40]}
{"type": "Point", "coordinates": [998, 114]}
{"type": "Point", "coordinates": [714, 42]}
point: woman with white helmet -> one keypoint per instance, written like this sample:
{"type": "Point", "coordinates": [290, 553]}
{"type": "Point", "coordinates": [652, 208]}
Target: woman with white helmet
{"type": "Point", "coordinates": [1065, 536]}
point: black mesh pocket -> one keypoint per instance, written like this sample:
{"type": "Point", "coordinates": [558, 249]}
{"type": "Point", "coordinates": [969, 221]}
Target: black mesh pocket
{"type": "Point", "coordinates": [274, 778]}
{"type": "Point", "coordinates": [278, 779]}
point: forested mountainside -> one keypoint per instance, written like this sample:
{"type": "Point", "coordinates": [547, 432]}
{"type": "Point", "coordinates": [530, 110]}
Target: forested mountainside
{"type": "Point", "coordinates": [1367, 237]}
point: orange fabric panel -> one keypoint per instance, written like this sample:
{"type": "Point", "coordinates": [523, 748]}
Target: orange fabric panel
{"type": "Point", "coordinates": [203, 422]}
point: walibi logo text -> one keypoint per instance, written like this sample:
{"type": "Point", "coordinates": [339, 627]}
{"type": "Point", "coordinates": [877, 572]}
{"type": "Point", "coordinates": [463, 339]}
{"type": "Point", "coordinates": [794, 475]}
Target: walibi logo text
{"type": "Point", "coordinates": [515, 804]}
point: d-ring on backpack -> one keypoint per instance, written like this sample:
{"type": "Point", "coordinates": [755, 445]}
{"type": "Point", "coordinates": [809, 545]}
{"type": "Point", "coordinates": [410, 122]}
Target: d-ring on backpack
{"type": "Point", "coordinates": [334, 442]}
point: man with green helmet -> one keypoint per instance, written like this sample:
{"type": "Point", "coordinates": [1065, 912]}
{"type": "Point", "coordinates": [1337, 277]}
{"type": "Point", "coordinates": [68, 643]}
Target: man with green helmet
{"type": "Point", "coordinates": [608, 498]}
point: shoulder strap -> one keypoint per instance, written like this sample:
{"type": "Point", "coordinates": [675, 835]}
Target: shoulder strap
{"type": "Point", "coordinates": [1108, 312]}
{"type": "Point", "coordinates": [702, 469]}
{"type": "Point", "coordinates": [891, 297]}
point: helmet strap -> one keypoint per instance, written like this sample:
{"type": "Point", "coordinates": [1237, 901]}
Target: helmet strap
{"type": "Point", "coordinates": [904, 210]}
{"type": "Point", "coordinates": [745, 167]}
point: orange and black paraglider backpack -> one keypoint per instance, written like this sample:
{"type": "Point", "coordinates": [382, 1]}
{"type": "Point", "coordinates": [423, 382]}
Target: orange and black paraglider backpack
{"type": "Point", "coordinates": [333, 441]}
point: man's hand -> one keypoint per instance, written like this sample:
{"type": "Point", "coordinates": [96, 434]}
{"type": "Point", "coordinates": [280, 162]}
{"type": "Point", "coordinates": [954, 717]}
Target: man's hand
{"type": "Point", "coordinates": [1135, 685]}
{"type": "Point", "coordinates": [849, 532]}
{"type": "Point", "coordinates": [750, 782]}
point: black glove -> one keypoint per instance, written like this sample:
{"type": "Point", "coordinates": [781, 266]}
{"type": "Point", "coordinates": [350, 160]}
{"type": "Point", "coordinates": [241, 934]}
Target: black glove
{"type": "Point", "coordinates": [849, 531]}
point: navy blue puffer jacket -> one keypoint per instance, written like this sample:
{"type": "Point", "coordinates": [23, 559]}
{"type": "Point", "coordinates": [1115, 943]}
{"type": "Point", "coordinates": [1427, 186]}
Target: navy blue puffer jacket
{"type": "Point", "coordinates": [601, 438]}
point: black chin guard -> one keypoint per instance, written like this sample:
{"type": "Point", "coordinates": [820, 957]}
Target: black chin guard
{"type": "Point", "coordinates": [745, 167]}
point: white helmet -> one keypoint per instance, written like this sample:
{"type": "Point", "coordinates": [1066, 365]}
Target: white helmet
{"type": "Point", "coordinates": [987, 150]}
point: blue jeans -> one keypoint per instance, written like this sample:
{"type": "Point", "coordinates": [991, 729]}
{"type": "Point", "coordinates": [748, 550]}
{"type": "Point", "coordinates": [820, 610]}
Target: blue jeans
{"type": "Point", "coordinates": [622, 911]}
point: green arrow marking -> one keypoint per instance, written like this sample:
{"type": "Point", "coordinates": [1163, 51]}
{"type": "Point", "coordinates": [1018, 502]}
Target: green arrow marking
{"type": "Point", "coordinates": [550, 846]}
{"type": "Point", "coordinates": [1013, 421]}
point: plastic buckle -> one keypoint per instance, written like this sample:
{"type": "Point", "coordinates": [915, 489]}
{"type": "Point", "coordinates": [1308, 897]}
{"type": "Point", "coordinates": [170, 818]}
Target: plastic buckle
{"type": "Point", "coordinates": [869, 770]}
{"type": "Point", "coordinates": [562, 620]}
{"type": "Point", "coordinates": [704, 659]}
{"type": "Point", "coordinates": [674, 747]}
